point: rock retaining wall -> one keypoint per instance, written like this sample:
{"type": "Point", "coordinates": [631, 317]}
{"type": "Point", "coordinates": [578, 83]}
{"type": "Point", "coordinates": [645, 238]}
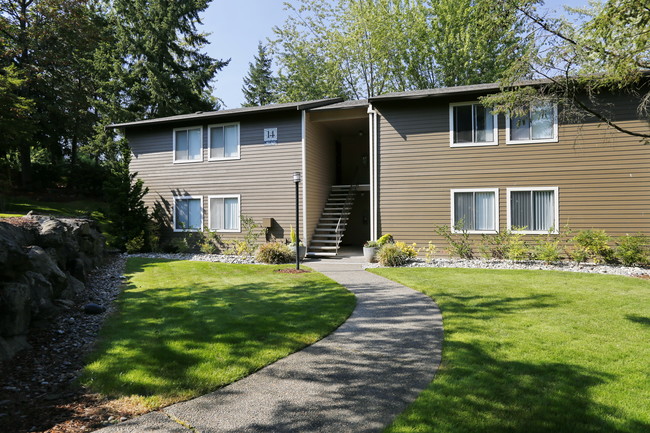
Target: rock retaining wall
{"type": "Point", "coordinates": [44, 263]}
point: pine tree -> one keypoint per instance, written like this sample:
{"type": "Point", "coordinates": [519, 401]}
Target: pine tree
{"type": "Point", "coordinates": [259, 86]}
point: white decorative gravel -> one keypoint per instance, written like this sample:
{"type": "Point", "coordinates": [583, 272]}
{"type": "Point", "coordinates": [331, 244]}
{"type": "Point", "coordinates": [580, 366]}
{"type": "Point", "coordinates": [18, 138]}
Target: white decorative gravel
{"type": "Point", "coordinates": [534, 265]}
{"type": "Point", "coordinates": [435, 263]}
{"type": "Point", "coordinates": [221, 258]}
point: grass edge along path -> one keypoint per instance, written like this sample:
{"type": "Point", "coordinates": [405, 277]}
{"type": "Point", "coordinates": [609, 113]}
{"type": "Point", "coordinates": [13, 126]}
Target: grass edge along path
{"type": "Point", "coordinates": [534, 351]}
{"type": "Point", "coordinates": [186, 328]}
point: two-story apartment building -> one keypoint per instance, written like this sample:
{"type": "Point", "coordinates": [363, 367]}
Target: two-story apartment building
{"type": "Point", "coordinates": [399, 163]}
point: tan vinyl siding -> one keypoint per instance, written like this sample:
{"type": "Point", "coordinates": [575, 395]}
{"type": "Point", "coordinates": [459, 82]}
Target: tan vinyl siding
{"type": "Point", "coordinates": [320, 160]}
{"type": "Point", "coordinates": [262, 176]}
{"type": "Point", "coordinates": [603, 176]}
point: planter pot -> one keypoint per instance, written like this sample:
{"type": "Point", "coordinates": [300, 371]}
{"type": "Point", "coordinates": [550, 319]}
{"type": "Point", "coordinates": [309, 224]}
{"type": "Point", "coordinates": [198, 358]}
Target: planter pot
{"type": "Point", "coordinates": [369, 254]}
{"type": "Point", "coordinates": [302, 251]}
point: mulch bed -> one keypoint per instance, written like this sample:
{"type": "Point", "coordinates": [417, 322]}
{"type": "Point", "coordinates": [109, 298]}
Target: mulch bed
{"type": "Point", "coordinates": [292, 271]}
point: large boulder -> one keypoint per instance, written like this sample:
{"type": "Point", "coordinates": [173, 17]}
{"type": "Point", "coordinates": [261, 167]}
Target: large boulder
{"type": "Point", "coordinates": [15, 308]}
{"type": "Point", "coordinates": [13, 258]}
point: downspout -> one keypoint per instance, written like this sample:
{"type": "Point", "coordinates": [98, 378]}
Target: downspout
{"type": "Point", "coordinates": [304, 177]}
{"type": "Point", "coordinates": [372, 118]}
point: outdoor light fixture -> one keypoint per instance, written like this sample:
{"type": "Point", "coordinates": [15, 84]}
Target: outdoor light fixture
{"type": "Point", "coordinates": [296, 180]}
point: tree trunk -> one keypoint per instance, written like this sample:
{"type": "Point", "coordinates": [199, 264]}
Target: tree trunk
{"type": "Point", "coordinates": [26, 165]}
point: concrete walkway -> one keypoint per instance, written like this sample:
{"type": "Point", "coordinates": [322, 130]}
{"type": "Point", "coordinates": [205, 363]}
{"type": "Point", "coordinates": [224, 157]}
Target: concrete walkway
{"type": "Point", "coordinates": [355, 380]}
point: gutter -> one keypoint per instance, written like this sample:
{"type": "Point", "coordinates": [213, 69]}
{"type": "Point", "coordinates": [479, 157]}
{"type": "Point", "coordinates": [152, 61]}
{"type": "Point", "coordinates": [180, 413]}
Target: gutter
{"type": "Point", "coordinates": [373, 126]}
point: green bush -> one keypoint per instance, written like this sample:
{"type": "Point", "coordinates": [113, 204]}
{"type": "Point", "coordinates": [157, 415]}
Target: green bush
{"type": "Point", "coordinates": [391, 255]}
{"type": "Point", "coordinates": [548, 251]}
{"type": "Point", "coordinates": [275, 253]}
{"type": "Point", "coordinates": [180, 245]}
{"type": "Point", "coordinates": [579, 255]}
{"type": "Point", "coordinates": [411, 251]}
{"type": "Point", "coordinates": [385, 239]}
{"type": "Point", "coordinates": [210, 242]}
{"type": "Point", "coordinates": [495, 246]}
{"type": "Point", "coordinates": [595, 244]}
{"type": "Point", "coordinates": [135, 244]}
{"type": "Point", "coordinates": [459, 244]}
{"type": "Point", "coordinates": [430, 252]}
{"type": "Point", "coordinates": [632, 250]}
{"type": "Point", "coordinates": [517, 249]}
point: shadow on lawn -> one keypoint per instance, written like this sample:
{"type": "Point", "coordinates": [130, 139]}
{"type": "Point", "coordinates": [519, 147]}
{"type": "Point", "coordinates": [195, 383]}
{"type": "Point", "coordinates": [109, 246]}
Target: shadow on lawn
{"type": "Point", "coordinates": [184, 341]}
{"type": "Point", "coordinates": [638, 319]}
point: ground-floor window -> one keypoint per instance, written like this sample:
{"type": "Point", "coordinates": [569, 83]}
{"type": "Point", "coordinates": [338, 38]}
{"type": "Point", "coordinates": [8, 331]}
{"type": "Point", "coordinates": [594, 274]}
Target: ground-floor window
{"type": "Point", "coordinates": [224, 213]}
{"type": "Point", "coordinates": [475, 210]}
{"type": "Point", "coordinates": [533, 210]}
{"type": "Point", "coordinates": [188, 214]}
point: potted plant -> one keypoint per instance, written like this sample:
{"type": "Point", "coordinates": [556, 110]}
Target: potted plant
{"type": "Point", "coordinates": [369, 250]}
{"type": "Point", "coordinates": [302, 249]}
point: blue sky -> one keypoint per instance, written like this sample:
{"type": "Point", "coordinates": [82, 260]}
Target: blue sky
{"type": "Point", "coordinates": [237, 26]}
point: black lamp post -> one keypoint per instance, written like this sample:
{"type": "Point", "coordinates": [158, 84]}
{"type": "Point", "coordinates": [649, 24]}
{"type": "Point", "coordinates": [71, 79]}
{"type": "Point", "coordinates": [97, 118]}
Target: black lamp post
{"type": "Point", "coordinates": [296, 180]}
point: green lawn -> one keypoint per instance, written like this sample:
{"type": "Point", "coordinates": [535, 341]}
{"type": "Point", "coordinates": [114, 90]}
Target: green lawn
{"type": "Point", "coordinates": [19, 206]}
{"type": "Point", "coordinates": [534, 351]}
{"type": "Point", "coordinates": [186, 328]}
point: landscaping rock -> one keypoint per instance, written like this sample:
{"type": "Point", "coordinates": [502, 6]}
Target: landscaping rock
{"type": "Point", "coordinates": [93, 308]}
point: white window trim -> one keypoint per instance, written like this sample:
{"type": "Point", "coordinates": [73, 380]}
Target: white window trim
{"type": "Point", "coordinates": [238, 197]}
{"type": "Point", "coordinates": [556, 218]}
{"type": "Point", "coordinates": [186, 161]}
{"type": "Point", "coordinates": [217, 125]}
{"type": "Point", "coordinates": [186, 197]}
{"type": "Point", "coordinates": [496, 210]}
{"type": "Point", "coordinates": [555, 138]}
{"type": "Point", "coordinates": [495, 128]}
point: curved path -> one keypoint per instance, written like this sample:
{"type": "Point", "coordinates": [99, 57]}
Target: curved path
{"type": "Point", "coordinates": [357, 379]}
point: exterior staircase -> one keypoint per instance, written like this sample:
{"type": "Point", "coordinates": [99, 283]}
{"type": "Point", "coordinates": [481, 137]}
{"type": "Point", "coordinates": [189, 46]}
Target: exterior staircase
{"type": "Point", "coordinates": [333, 221]}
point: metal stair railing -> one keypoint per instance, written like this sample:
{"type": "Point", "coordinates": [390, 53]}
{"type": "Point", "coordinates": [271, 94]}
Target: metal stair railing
{"type": "Point", "coordinates": [347, 206]}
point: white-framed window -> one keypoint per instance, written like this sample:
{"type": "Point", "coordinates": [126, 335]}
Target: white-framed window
{"type": "Point", "coordinates": [472, 124]}
{"type": "Point", "coordinates": [223, 141]}
{"type": "Point", "coordinates": [538, 126]}
{"type": "Point", "coordinates": [533, 210]}
{"type": "Point", "coordinates": [475, 210]}
{"type": "Point", "coordinates": [188, 213]}
{"type": "Point", "coordinates": [224, 213]}
{"type": "Point", "coordinates": [188, 144]}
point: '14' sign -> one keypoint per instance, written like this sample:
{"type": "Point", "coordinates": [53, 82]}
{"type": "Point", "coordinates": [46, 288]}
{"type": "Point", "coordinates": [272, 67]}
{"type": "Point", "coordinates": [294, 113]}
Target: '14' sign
{"type": "Point", "coordinates": [271, 136]}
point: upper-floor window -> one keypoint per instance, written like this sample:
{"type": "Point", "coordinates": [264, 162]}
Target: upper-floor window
{"type": "Point", "coordinates": [533, 210]}
{"type": "Point", "coordinates": [188, 213]}
{"type": "Point", "coordinates": [475, 210]}
{"type": "Point", "coordinates": [472, 124]}
{"type": "Point", "coordinates": [539, 125]}
{"type": "Point", "coordinates": [188, 144]}
{"type": "Point", "coordinates": [224, 141]}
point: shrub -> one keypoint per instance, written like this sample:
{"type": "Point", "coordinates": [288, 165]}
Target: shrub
{"type": "Point", "coordinates": [430, 252]}
{"type": "Point", "coordinates": [274, 253]}
{"type": "Point", "coordinates": [371, 244]}
{"type": "Point", "coordinates": [517, 249]}
{"type": "Point", "coordinates": [180, 245]}
{"type": "Point", "coordinates": [248, 246]}
{"type": "Point", "coordinates": [595, 244]}
{"type": "Point", "coordinates": [548, 251]}
{"type": "Point", "coordinates": [459, 244]}
{"type": "Point", "coordinates": [210, 242]}
{"type": "Point", "coordinates": [135, 244]}
{"type": "Point", "coordinates": [579, 255]}
{"type": "Point", "coordinates": [391, 255]}
{"type": "Point", "coordinates": [410, 251]}
{"type": "Point", "coordinates": [495, 246]}
{"type": "Point", "coordinates": [631, 250]}
{"type": "Point", "coordinates": [385, 239]}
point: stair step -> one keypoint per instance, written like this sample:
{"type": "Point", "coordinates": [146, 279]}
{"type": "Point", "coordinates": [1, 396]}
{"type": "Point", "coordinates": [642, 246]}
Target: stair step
{"type": "Point", "coordinates": [323, 248]}
{"type": "Point", "coordinates": [325, 241]}
{"type": "Point", "coordinates": [324, 235]}
{"type": "Point", "coordinates": [320, 253]}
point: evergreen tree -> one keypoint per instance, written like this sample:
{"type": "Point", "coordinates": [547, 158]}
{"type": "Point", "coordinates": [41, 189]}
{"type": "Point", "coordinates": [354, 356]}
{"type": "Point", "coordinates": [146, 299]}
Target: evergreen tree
{"type": "Point", "coordinates": [259, 84]}
{"type": "Point", "coordinates": [156, 64]}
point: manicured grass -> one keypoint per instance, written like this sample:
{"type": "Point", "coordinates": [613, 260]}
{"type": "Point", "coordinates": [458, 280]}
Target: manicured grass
{"type": "Point", "coordinates": [534, 351]}
{"type": "Point", "coordinates": [186, 328]}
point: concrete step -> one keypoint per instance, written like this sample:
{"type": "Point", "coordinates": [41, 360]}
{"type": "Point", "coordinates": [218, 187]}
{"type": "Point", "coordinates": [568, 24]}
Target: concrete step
{"type": "Point", "coordinates": [319, 253]}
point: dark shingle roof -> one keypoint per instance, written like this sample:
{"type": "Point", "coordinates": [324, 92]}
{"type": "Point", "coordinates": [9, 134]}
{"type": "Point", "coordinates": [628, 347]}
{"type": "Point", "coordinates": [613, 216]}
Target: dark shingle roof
{"type": "Point", "coordinates": [243, 110]}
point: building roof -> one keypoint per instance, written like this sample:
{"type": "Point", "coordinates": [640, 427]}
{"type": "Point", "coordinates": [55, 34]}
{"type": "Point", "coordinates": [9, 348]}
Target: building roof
{"type": "Point", "coordinates": [448, 91]}
{"type": "Point", "coordinates": [333, 103]}
{"type": "Point", "coordinates": [221, 113]}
